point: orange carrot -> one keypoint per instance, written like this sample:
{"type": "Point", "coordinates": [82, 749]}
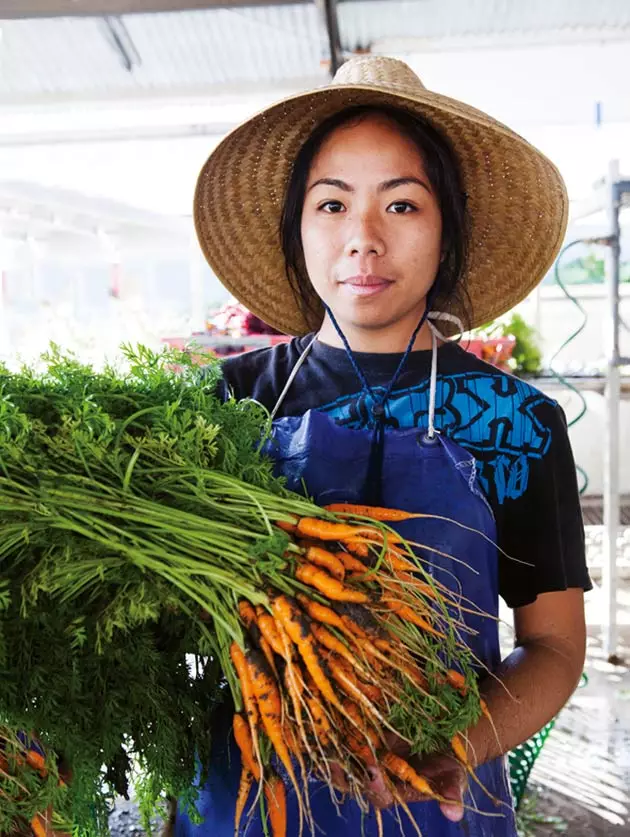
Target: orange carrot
{"type": "Point", "coordinates": [329, 586]}
{"type": "Point", "coordinates": [354, 713]}
{"type": "Point", "coordinates": [294, 683]}
{"type": "Point", "coordinates": [244, 788]}
{"type": "Point", "coordinates": [296, 626]}
{"type": "Point", "coordinates": [350, 684]}
{"type": "Point", "coordinates": [276, 797]}
{"type": "Point", "coordinates": [361, 750]}
{"type": "Point", "coordinates": [248, 618]}
{"type": "Point", "coordinates": [400, 564]}
{"type": "Point", "coordinates": [329, 641]}
{"type": "Point", "coordinates": [325, 559]}
{"type": "Point", "coordinates": [269, 630]}
{"type": "Point", "coordinates": [38, 826]}
{"type": "Point", "coordinates": [249, 699]}
{"type": "Point", "coordinates": [361, 739]}
{"type": "Point", "coordinates": [247, 613]}
{"type": "Point", "coordinates": [484, 709]}
{"type": "Point", "coordinates": [320, 613]}
{"type": "Point", "coordinates": [319, 719]}
{"type": "Point", "coordinates": [323, 530]}
{"type": "Point", "coordinates": [423, 587]}
{"type": "Point", "coordinates": [243, 738]}
{"type": "Point", "coordinates": [375, 512]}
{"type": "Point", "coordinates": [358, 547]}
{"type": "Point", "coordinates": [37, 762]}
{"type": "Point", "coordinates": [459, 748]}
{"type": "Point", "coordinates": [351, 563]}
{"type": "Point", "coordinates": [247, 690]}
{"type": "Point", "coordinates": [371, 692]}
{"type": "Point", "coordinates": [270, 707]}
{"type": "Point", "coordinates": [457, 680]}
{"type": "Point", "coordinates": [268, 652]}
{"type": "Point", "coordinates": [291, 528]}
{"type": "Point", "coordinates": [398, 661]}
{"type": "Point", "coordinates": [404, 771]}
{"type": "Point", "coordinates": [409, 615]}
{"type": "Point", "coordinates": [358, 618]}
{"type": "Point", "coordinates": [290, 737]}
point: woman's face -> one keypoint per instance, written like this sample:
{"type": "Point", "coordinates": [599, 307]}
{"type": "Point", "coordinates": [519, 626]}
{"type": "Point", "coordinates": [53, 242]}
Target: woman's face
{"type": "Point", "coordinates": [371, 227]}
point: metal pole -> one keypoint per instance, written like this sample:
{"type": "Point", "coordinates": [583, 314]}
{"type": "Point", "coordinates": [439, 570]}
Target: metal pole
{"type": "Point", "coordinates": [332, 31]}
{"type": "Point", "coordinates": [198, 312]}
{"type": "Point", "coordinates": [612, 399]}
{"type": "Point", "coordinates": [4, 341]}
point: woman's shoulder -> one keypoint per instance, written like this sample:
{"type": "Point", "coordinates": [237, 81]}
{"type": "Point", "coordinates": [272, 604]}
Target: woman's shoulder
{"type": "Point", "coordinates": [261, 373]}
{"type": "Point", "coordinates": [505, 421]}
{"type": "Point", "coordinates": [487, 385]}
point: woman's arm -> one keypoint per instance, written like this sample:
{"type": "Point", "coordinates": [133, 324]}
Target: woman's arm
{"type": "Point", "coordinates": [527, 690]}
{"type": "Point", "coordinates": [535, 681]}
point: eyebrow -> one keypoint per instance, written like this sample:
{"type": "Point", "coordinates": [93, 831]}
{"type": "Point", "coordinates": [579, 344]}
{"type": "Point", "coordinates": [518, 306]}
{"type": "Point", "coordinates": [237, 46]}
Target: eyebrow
{"type": "Point", "coordinates": [385, 186]}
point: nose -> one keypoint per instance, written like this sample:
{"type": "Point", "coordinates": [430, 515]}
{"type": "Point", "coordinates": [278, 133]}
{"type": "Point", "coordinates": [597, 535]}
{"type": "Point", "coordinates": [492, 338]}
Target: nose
{"type": "Point", "coordinates": [364, 237]}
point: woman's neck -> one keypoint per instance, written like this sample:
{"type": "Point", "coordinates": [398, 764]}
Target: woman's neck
{"type": "Point", "coordinates": [376, 341]}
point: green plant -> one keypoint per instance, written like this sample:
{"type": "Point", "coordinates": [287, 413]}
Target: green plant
{"type": "Point", "coordinates": [526, 356]}
{"type": "Point", "coordinates": [528, 818]}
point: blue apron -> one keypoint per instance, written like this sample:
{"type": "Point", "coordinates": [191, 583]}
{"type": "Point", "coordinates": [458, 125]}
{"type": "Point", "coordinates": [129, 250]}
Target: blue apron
{"type": "Point", "coordinates": [421, 472]}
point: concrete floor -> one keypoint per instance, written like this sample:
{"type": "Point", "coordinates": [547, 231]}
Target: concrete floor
{"type": "Point", "coordinates": [583, 773]}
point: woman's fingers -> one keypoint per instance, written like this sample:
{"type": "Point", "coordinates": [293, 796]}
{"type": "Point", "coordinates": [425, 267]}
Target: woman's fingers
{"type": "Point", "coordinates": [338, 777]}
{"type": "Point", "coordinates": [449, 780]}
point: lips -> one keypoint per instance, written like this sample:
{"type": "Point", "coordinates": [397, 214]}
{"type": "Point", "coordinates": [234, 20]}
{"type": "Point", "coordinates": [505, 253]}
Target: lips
{"type": "Point", "coordinates": [366, 284]}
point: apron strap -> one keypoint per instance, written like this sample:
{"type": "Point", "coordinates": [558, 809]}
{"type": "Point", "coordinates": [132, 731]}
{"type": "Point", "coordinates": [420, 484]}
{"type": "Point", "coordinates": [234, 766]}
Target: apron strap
{"type": "Point", "coordinates": [292, 377]}
{"type": "Point", "coordinates": [435, 333]}
{"type": "Point", "coordinates": [432, 383]}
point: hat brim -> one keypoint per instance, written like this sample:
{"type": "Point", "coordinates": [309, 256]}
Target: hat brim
{"type": "Point", "coordinates": [517, 201]}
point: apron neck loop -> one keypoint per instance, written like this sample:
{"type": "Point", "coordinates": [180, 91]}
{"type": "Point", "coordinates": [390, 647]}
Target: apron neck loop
{"type": "Point", "coordinates": [374, 475]}
{"type": "Point", "coordinates": [378, 412]}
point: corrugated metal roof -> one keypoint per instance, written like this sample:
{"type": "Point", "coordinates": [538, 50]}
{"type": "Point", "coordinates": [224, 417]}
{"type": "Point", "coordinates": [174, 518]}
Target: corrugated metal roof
{"type": "Point", "coordinates": [199, 51]}
{"type": "Point", "coordinates": [53, 214]}
{"type": "Point", "coordinates": [366, 21]}
{"type": "Point", "coordinates": [182, 51]}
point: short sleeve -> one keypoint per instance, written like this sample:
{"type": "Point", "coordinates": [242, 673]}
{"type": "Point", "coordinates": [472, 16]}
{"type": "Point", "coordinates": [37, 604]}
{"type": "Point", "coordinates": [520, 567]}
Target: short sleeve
{"type": "Point", "coordinates": [542, 530]}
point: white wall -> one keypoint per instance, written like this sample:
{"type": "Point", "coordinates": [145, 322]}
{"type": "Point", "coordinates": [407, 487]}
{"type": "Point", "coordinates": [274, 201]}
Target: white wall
{"type": "Point", "coordinates": [556, 318]}
{"type": "Point", "coordinates": [65, 296]}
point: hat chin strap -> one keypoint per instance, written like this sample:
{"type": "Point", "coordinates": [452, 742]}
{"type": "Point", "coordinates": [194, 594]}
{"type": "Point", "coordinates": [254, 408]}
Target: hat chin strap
{"type": "Point", "coordinates": [449, 318]}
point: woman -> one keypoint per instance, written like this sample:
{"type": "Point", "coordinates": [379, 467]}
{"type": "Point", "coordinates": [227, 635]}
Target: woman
{"type": "Point", "coordinates": [371, 218]}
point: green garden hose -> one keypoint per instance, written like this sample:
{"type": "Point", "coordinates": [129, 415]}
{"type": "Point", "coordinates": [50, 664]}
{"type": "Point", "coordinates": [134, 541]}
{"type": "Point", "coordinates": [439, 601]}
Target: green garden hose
{"type": "Point", "coordinates": [569, 339]}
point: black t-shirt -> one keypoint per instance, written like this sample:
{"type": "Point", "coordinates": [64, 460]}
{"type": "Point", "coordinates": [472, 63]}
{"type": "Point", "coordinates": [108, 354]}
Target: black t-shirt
{"type": "Point", "coordinates": [517, 435]}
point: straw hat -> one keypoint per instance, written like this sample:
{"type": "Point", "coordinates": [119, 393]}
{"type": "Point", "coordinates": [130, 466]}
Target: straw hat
{"type": "Point", "coordinates": [516, 196]}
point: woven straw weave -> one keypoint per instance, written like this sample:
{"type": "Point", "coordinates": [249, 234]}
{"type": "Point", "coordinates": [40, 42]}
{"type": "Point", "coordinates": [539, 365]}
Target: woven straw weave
{"type": "Point", "coordinates": [516, 197]}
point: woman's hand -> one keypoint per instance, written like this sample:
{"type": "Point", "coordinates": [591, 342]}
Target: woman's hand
{"type": "Point", "coordinates": [444, 773]}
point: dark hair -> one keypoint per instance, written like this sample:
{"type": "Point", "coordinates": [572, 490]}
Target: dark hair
{"type": "Point", "coordinates": [444, 175]}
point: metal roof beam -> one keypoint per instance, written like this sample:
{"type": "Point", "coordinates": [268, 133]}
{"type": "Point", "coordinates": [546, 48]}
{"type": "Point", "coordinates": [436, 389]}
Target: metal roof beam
{"type": "Point", "coordinates": [11, 9]}
{"type": "Point", "coordinates": [331, 21]}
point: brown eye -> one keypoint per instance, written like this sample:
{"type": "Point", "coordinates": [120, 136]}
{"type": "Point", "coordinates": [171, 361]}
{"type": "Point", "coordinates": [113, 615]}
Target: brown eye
{"type": "Point", "coordinates": [332, 207]}
{"type": "Point", "coordinates": [401, 208]}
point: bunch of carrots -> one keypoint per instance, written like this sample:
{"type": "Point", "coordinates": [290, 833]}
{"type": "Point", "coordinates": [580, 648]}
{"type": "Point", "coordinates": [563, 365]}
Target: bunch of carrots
{"type": "Point", "coordinates": [322, 673]}
{"type": "Point", "coordinates": [27, 772]}
{"type": "Point", "coordinates": [141, 528]}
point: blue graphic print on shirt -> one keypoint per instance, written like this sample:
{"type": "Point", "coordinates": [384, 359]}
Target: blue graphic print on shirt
{"type": "Point", "coordinates": [492, 416]}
